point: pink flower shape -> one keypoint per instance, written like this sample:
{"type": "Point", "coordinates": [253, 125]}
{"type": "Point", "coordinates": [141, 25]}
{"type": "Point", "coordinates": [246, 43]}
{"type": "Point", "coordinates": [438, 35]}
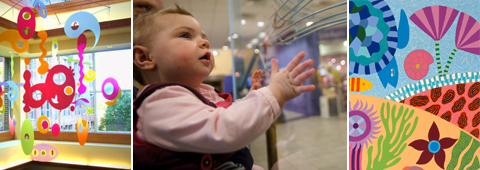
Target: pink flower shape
{"type": "Point", "coordinates": [433, 147]}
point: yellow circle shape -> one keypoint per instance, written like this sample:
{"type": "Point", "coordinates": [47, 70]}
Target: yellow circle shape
{"type": "Point", "coordinates": [39, 124]}
{"type": "Point", "coordinates": [26, 16]}
{"type": "Point", "coordinates": [68, 90]}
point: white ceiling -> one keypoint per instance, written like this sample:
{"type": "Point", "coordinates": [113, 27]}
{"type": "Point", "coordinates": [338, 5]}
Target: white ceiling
{"type": "Point", "coordinates": [213, 15]}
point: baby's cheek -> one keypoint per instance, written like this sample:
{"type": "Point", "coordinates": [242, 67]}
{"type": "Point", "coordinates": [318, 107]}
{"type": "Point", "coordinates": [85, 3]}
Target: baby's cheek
{"type": "Point", "coordinates": [213, 62]}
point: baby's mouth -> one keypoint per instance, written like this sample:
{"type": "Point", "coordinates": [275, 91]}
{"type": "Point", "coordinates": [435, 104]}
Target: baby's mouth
{"type": "Point", "coordinates": [206, 56]}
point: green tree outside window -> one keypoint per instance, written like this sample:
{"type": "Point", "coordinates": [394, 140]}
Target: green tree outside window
{"type": "Point", "coordinates": [118, 116]}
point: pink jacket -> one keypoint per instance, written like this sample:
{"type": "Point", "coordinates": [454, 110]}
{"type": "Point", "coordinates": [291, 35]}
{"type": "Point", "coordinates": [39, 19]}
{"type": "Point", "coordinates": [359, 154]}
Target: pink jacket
{"type": "Point", "coordinates": [175, 119]}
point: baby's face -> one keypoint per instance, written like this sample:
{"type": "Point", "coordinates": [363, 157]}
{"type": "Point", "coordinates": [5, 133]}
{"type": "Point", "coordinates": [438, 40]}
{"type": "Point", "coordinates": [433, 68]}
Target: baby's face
{"type": "Point", "coordinates": [181, 49]}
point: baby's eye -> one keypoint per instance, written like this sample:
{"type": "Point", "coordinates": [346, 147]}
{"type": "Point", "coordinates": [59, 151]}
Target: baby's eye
{"type": "Point", "coordinates": [185, 35]}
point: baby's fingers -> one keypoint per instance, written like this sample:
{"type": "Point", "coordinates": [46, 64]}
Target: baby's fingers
{"type": "Point", "coordinates": [274, 67]}
{"type": "Point", "coordinates": [257, 74]}
{"type": "Point", "coordinates": [299, 69]}
{"type": "Point", "coordinates": [295, 61]}
{"type": "Point", "coordinates": [302, 89]}
{"type": "Point", "coordinates": [303, 76]}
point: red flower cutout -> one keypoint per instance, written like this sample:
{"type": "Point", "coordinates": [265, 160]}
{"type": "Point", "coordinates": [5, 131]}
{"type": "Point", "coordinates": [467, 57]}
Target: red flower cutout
{"type": "Point", "coordinates": [433, 147]}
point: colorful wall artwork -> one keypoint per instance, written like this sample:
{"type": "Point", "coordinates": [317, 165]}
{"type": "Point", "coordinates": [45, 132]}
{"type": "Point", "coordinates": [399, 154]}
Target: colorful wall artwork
{"type": "Point", "coordinates": [414, 84]}
{"type": "Point", "coordinates": [66, 94]}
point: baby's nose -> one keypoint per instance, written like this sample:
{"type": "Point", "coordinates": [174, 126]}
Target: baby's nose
{"type": "Point", "coordinates": [205, 44]}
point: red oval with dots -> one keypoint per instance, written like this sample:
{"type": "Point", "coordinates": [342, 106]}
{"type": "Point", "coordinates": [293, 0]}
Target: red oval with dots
{"type": "Point", "coordinates": [26, 23]}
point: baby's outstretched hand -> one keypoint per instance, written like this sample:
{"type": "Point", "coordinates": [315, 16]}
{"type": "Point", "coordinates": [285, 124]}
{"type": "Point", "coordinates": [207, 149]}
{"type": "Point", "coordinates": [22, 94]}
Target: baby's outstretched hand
{"type": "Point", "coordinates": [256, 80]}
{"type": "Point", "coordinates": [287, 84]}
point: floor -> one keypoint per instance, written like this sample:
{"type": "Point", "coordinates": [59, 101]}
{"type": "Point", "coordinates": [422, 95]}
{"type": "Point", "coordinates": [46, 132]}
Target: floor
{"type": "Point", "coordinates": [307, 143]}
{"type": "Point", "coordinates": [35, 165]}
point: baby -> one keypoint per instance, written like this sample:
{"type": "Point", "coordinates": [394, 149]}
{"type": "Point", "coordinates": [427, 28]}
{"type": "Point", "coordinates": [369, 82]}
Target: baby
{"type": "Point", "coordinates": [180, 122]}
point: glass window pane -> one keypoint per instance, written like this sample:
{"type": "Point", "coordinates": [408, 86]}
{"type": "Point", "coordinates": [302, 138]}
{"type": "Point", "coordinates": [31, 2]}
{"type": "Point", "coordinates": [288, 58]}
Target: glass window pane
{"type": "Point", "coordinates": [3, 77]}
{"type": "Point", "coordinates": [107, 64]}
{"type": "Point", "coordinates": [112, 64]}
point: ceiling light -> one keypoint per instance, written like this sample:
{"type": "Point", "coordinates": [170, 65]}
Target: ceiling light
{"type": "Point", "coordinates": [249, 46]}
{"type": "Point", "coordinates": [339, 67]}
{"type": "Point", "coordinates": [234, 36]}
{"type": "Point", "coordinates": [256, 51]}
{"type": "Point", "coordinates": [342, 62]}
{"type": "Point", "coordinates": [309, 23]}
{"type": "Point", "coordinates": [225, 48]}
{"type": "Point", "coordinates": [243, 22]}
{"type": "Point", "coordinates": [345, 43]}
{"type": "Point", "coordinates": [254, 41]}
{"type": "Point", "coordinates": [215, 53]}
{"type": "Point", "coordinates": [333, 60]}
{"type": "Point", "coordinates": [329, 64]}
{"type": "Point", "coordinates": [260, 24]}
{"type": "Point", "coordinates": [229, 38]}
{"type": "Point", "coordinates": [262, 35]}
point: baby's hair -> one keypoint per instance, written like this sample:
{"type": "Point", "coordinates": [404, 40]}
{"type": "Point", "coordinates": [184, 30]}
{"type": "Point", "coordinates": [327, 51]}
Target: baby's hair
{"type": "Point", "coordinates": [142, 23]}
{"type": "Point", "coordinates": [143, 29]}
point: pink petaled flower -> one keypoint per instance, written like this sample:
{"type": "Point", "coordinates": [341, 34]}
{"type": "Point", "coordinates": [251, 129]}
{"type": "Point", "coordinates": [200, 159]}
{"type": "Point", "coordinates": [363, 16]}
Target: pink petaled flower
{"type": "Point", "coordinates": [433, 147]}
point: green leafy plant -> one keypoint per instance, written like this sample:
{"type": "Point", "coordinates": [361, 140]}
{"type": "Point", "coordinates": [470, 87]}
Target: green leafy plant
{"type": "Point", "coordinates": [391, 146]}
{"type": "Point", "coordinates": [118, 116]}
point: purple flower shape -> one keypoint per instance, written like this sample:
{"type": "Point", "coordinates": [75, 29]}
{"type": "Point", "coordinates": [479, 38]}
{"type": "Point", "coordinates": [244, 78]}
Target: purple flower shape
{"type": "Point", "coordinates": [433, 147]}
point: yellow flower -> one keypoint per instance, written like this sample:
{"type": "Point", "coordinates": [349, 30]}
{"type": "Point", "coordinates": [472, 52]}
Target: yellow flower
{"type": "Point", "coordinates": [89, 110]}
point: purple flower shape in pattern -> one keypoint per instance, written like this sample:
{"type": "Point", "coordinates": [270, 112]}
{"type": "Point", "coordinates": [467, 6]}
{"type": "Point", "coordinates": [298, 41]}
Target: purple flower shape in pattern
{"type": "Point", "coordinates": [433, 147]}
{"type": "Point", "coordinates": [362, 125]}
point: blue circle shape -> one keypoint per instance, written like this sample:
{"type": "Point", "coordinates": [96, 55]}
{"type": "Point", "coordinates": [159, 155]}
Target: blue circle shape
{"type": "Point", "coordinates": [108, 88]}
{"type": "Point", "coordinates": [433, 146]}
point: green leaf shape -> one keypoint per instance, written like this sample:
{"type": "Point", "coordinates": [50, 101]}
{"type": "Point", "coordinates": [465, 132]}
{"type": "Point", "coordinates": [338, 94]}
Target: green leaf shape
{"type": "Point", "coordinates": [356, 9]}
{"type": "Point", "coordinates": [468, 157]}
{"type": "Point", "coordinates": [392, 145]}
{"type": "Point", "coordinates": [475, 165]}
{"type": "Point", "coordinates": [70, 59]}
{"type": "Point", "coordinates": [461, 145]}
{"type": "Point", "coordinates": [361, 33]}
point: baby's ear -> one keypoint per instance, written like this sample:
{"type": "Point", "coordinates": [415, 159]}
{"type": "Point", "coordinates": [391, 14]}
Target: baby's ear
{"type": "Point", "coordinates": [141, 58]}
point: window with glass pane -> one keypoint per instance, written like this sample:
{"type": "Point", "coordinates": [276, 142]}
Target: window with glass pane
{"type": "Point", "coordinates": [113, 64]}
{"type": "Point", "coordinates": [103, 118]}
{"type": "Point", "coordinates": [5, 103]}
